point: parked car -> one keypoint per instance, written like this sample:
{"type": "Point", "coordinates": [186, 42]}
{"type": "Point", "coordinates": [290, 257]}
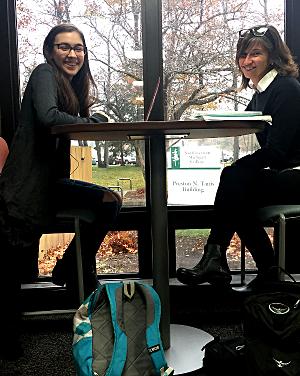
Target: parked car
{"type": "Point", "coordinates": [127, 159]}
{"type": "Point", "coordinates": [130, 159]}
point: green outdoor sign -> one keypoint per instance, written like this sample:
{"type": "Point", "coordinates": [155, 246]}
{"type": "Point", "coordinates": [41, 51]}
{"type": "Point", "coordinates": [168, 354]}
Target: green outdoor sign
{"type": "Point", "coordinates": [175, 157]}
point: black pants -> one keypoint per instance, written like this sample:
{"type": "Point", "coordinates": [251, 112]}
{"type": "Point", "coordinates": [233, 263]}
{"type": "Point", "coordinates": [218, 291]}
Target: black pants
{"type": "Point", "coordinates": [240, 193]}
{"type": "Point", "coordinates": [68, 194]}
{"type": "Point", "coordinates": [72, 194]}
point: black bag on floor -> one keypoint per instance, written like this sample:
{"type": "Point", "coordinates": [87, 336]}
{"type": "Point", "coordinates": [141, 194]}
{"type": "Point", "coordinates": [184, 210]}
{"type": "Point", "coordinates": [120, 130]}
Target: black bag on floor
{"type": "Point", "coordinates": [272, 332]}
{"type": "Point", "coordinates": [274, 316]}
{"type": "Point", "coordinates": [271, 342]}
{"type": "Point", "coordinates": [266, 359]}
{"type": "Point", "coordinates": [224, 356]}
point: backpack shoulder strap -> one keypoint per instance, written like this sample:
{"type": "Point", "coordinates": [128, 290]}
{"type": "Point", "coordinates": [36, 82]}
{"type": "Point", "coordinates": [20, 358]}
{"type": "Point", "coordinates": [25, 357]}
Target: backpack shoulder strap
{"type": "Point", "coordinates": [114, 293]}
{"type": "Point", "coordinates": [82, 347]}
{"type": "Point", "coordinates": [153, 338]}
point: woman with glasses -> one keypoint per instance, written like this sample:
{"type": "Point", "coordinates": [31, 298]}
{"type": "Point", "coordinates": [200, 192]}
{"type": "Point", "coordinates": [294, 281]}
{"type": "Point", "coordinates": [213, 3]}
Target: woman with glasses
{"type": "Point", "coordinates": [35, 181]}
{"type": "Point", "coordinates": [269, 175]}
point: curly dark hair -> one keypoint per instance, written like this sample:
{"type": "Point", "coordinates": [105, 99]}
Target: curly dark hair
{"type": "Point", "coordinates": [78, 95]}
{"type": "Point", "coordinates": [280, 56]}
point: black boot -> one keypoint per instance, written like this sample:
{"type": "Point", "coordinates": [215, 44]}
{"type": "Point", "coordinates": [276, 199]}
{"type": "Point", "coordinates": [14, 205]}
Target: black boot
{"type": "Point", "coordinates": [267, 272]}
{"type": "Point", "coordinates": [211, 268]}
{"type": "Point", "coordinates": [64, 274]}
{"type": "Point", "coordinates": [264, 280]}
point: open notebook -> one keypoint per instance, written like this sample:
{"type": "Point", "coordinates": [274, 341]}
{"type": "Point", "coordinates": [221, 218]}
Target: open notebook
{"type": "Point", "coordinates": [232, 115]}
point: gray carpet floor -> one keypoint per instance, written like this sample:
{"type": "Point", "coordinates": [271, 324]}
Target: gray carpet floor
{"type": "Point", "coordinates": [47, 342]}
{"type": "Point", "coordinates": [47, 339]}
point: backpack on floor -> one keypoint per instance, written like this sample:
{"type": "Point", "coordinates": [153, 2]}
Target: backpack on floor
{"type": "Point", "coordinates": [116, 332]}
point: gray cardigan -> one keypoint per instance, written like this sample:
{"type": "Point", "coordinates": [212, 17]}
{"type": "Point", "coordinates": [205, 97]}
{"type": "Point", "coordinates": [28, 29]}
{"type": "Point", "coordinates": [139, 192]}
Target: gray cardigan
{"type": "Point", "coordinates": [36, 159]}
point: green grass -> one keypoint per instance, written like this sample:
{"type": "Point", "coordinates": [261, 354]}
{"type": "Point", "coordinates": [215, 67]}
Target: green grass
{"type": "Point", "coordinates": [193, 232]}
{"type": "Point", "coordinates": [109, 176]}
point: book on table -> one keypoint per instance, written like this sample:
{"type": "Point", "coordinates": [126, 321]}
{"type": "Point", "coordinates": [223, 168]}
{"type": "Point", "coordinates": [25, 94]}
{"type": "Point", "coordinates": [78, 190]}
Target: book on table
{"type": "Point", "coordinates": [232, 115]}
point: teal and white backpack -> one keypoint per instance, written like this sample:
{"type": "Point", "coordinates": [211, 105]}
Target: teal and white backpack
{"type": "Point", "coordinates": [116, 332]}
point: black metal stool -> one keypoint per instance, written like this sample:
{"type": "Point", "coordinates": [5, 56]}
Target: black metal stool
{"type": "Point", "coordinates": [68, 220]}
{"type": "Point", "coordinates": [277, 215]}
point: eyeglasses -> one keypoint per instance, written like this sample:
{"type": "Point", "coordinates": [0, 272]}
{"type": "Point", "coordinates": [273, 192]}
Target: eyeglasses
{"type": "Point", "coordinates": [79, 49]}
{"type": "Point", "coordinates": [258, 31]}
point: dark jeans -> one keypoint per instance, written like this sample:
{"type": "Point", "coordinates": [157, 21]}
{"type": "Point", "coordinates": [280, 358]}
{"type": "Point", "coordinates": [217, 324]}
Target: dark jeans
{"type": "Point", "coordinates": [72, 194]}
{"type": "Point", "coordinates": [240, 193]}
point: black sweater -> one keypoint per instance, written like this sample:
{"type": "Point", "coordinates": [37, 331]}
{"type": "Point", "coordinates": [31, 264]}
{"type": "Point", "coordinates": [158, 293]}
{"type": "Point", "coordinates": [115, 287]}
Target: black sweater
{"type": "Point", "coordinates": [280, 141]}
{"type": "Point", "coordinates": [35, 160]}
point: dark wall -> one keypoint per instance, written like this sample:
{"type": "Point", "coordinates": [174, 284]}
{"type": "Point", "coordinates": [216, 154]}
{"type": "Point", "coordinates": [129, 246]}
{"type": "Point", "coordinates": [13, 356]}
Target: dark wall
{"type": "Point", "coordinates": [9, 77]}
{"type": "Point", "coordinates": [292, 33]}
{"type": "Point", "coordinates": [292, 27]}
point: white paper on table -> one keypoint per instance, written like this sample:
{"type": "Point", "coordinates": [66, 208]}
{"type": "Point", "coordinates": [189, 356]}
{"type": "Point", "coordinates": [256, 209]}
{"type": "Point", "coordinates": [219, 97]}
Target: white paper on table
{"type": "Point", "coordinates": [232, 115]}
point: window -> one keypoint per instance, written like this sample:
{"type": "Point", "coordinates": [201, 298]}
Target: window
{"type": "Point", "coordinates": [199, 39]}
{"type": "Point", "coordinates": [113, 34]}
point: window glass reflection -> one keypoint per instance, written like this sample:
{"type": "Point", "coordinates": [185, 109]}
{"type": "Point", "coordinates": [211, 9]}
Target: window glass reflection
{"type": "Point", "coordinates": [199, 40]}
{"type": "Point", "coordinates": [114, 44]}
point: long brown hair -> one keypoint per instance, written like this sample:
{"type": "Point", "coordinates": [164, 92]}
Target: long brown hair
{"type": "Point", "coordinates": [78, 95]}
{"type": "Point", "coordinates": [280, 56]}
